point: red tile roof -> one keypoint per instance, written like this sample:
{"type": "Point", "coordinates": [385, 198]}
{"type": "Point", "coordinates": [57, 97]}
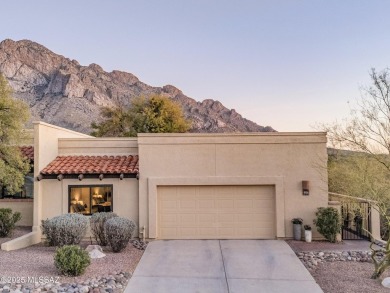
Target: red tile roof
{"type": "Point", "coordinates": [28, 152]}
{"type": "Point", "coordinates": [92, 165]}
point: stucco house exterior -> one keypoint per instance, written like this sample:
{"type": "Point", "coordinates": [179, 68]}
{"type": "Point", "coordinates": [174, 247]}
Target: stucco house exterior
{"type": "Point", "coordinates": [180, 186]}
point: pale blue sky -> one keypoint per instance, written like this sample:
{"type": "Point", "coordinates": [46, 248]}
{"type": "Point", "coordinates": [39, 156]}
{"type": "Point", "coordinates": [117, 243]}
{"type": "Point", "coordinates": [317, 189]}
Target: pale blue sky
{"type": "Point", "coordinates": [287, 64]}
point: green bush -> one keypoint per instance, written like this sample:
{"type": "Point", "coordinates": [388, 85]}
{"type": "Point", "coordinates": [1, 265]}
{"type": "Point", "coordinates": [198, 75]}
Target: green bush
{"type": "Point", "coordinates": [71, 260]}
{"type": "Point", "coordinates": [8, 221]}
{"type": "Point", "coordinates": [66, 229]}
{"type": "Point", "coordinates": [328, 223]}
{"type": "Point", "coordinates": [97, 222]}
{"type": "Point", "coordinates": [119, 231]}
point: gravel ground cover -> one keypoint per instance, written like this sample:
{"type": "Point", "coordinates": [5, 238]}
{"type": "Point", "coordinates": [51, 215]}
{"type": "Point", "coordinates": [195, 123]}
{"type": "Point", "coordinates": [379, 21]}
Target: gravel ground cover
{"type": "Point", "coordinates": [341, 268]}
{"type": "Point", "coordinates": [348, 277]}
{"type": "Point", "coordinates": [108, 274]}
{"type": "Point", "coordinates": [17, 232]}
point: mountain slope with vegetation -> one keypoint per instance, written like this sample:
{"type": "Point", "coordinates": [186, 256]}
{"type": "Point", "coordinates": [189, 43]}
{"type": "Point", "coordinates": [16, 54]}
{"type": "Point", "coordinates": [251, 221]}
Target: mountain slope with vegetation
{"type": "Point", "coordinates": [63, 92]}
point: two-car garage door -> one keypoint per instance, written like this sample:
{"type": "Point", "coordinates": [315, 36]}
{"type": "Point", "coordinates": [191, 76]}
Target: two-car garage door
{"type": "Point", "coordinates": [216, 212]}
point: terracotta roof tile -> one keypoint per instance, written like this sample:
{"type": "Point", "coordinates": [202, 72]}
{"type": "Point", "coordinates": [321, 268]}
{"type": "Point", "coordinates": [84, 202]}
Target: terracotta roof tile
{"type": "Point", "coordinates": [92, 165]}
{"type": "Point", "coordinates": [28, 152]}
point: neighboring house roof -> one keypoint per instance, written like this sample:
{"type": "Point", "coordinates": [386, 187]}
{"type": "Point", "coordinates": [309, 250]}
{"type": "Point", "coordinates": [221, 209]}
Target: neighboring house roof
{"type": "Point", "coordinates": [92, 165]}
{"type": "Point", "coordinates": [28, 152]}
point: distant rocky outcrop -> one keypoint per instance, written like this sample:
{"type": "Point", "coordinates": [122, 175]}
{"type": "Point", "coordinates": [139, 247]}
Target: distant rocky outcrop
{"type": "Point", "coordinates": [62, 92]}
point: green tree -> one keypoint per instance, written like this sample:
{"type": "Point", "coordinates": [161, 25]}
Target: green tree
{"type": "Point", "coordinates": [358, 175]}
{"type": "Point", "coordinates": [157, 114]}
{"type": "Point", "coordinates": [13, 116]}
{"type": "Point", "coordinates": [367, 131]}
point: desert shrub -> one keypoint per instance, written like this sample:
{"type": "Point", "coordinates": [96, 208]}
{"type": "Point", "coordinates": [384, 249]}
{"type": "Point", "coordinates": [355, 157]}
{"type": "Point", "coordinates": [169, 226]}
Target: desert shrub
{"type": "Point", "coordinates": [328, 223]}
{"type": "Point", "coordinates": [97, 222]}
{"type": "Point", "coordinates": [8, 221]}
{"type": "Point", "coordinates": [119, 231]}
{"type": "Point", "coordinates": [65, 229]}
{"type": "Point", "coordinates": [71, 260]}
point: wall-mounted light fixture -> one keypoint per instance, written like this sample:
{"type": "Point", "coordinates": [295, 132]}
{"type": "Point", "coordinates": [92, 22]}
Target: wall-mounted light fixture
{"type": "Point", "coordinates": [60, 177]}
{"type": "Point", "coordinates": [305, 187]}
{"type": "Point", "coordinates": [80, 177]}
{"type": "Point", "coordinates": [101, 176]}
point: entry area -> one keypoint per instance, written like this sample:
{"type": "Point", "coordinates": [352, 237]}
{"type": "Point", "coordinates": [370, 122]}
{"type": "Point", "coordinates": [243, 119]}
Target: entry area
{"type": "Point", "coordinates": [216, 212]}
{"type": "Point", "coordinates": [221, 266]}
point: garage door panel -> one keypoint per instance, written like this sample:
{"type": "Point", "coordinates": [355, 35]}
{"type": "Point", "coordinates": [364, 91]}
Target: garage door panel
{"type": "Point", "coordinates": [184, 192]}
{"type": "Point", "coordinates": [266, 218]}
{"type": "Point", "coordinates": [204, 220]}
{"type": "Point", "coordinates": [269, 204]}
{"type": "Point", "coordinates": [208, 232]}
{"type": "Point", "coordinates": [226, 231]}
{"type": "Point", "coordinates": [225, 204]}
{"type": "Point", "coordinates": [168, 233]}
{"type": "Point", "coordinates": [187, 231]}
{"type": "Point", "coordinates": [206, 203]}
{"type": "Point", "coordinates": [168, 219]}
{"type": "Point", "coordinates": [170, 204]}
{"type": "Point", "coordinates": [187, 204]}
{"type": "Point", "coordinates": [216, 212]}
{"type": "Point", "coordinates": [187, 220]}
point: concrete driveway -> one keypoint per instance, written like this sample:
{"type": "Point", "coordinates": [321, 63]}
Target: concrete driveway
{"type": "Point", "coordinates": [220, 266]}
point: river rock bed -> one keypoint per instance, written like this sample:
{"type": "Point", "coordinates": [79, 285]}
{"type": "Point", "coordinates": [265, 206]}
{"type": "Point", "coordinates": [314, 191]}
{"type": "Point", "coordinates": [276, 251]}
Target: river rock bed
{"type": "Point", "coordinates": [312, 259]}
{"type": "Point", "coordinates": [106, 284]}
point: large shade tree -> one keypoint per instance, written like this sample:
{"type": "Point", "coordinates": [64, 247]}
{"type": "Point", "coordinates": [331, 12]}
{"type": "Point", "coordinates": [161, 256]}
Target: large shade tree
{"type": "Point", "coordinates": [157, 114]}
{"type": "Point", "coordinates": [13, 116]}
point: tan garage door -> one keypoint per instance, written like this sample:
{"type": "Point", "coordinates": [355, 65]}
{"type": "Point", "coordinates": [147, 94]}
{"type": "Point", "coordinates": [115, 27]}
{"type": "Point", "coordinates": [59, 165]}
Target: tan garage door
{"type": "Point", "coordinates": [216, 212]}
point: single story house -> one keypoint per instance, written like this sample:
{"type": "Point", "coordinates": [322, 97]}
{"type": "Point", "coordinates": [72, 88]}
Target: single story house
{"type": "Point", "coordinates": [180, 186]}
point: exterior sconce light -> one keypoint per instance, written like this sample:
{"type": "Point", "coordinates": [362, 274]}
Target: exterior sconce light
{"type": "Point", "coordinates": [39, 177]}
{"type": "Point", "coordinates": [101, 176]}
{"type": "Point", "coordinates": [137, 176]}
{"type": "Point", "coordinates": [305, 187]}
{"type": "Point", "coordinates": [60, 177]}
{"type": "Point", "coordinates": [121, 176]}
{"type": "Point", "coordinates": [81, 177]}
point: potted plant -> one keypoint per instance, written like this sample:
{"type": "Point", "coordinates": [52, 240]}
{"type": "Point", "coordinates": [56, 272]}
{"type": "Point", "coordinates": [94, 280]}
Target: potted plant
{"type": "Point", "coordinates": [297, 228]}
{"type": "Point", "coordinates": [308, 234]}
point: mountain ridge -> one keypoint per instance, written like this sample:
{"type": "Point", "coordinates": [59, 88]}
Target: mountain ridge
{"type": "Point", "coordinates": [62, 92]}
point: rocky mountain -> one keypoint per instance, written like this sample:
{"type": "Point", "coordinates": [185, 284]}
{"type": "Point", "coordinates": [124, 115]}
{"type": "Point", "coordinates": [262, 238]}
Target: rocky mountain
{"type": "Point", "coordinates": [60, 91]}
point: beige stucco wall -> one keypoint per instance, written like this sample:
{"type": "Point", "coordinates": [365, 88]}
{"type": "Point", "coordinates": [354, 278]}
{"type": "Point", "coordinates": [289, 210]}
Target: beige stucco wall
{"type": "Point", "coordinates": [55, 200]}
{"type": "Point", "coordinates": [280, 159]}
{"type": "Point", "coordinates": [98, 146]}
{"type": "Point", "coordinates": [23, 206]}
{"type": "Point", "coordinates": [45, 150]}
{"type": "Point", "coordinates": [51, 195]}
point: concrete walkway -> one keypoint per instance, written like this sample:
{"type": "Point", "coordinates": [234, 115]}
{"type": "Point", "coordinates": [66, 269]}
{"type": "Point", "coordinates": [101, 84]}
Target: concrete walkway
{"type": "Point", "coordinates": [218, 266]}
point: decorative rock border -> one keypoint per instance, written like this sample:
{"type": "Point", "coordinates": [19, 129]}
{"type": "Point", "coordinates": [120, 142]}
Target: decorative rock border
{"type": "Point", "coordinates": [139, 244]}
{"type": "Point", "coordinates": [106, 284]}
{"type": "Point", "coordinates": [312, 259]}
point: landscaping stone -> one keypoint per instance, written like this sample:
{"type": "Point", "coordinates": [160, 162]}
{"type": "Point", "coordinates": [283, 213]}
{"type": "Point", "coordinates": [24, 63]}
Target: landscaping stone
{"type": "Point", "coordinates": [312, 259]}
{"type": "Point", "coordinates": [95, 251]}
{"type": "Point", "coordinates": [104, 284]}
{"type": "Point", "coordinates": [386, 282]}
{"type": "Point", "coordinates": [139, 244]}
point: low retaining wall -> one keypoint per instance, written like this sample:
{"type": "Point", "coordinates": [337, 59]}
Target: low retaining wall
{"type": "Point", "coordinates": [25, 206]}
